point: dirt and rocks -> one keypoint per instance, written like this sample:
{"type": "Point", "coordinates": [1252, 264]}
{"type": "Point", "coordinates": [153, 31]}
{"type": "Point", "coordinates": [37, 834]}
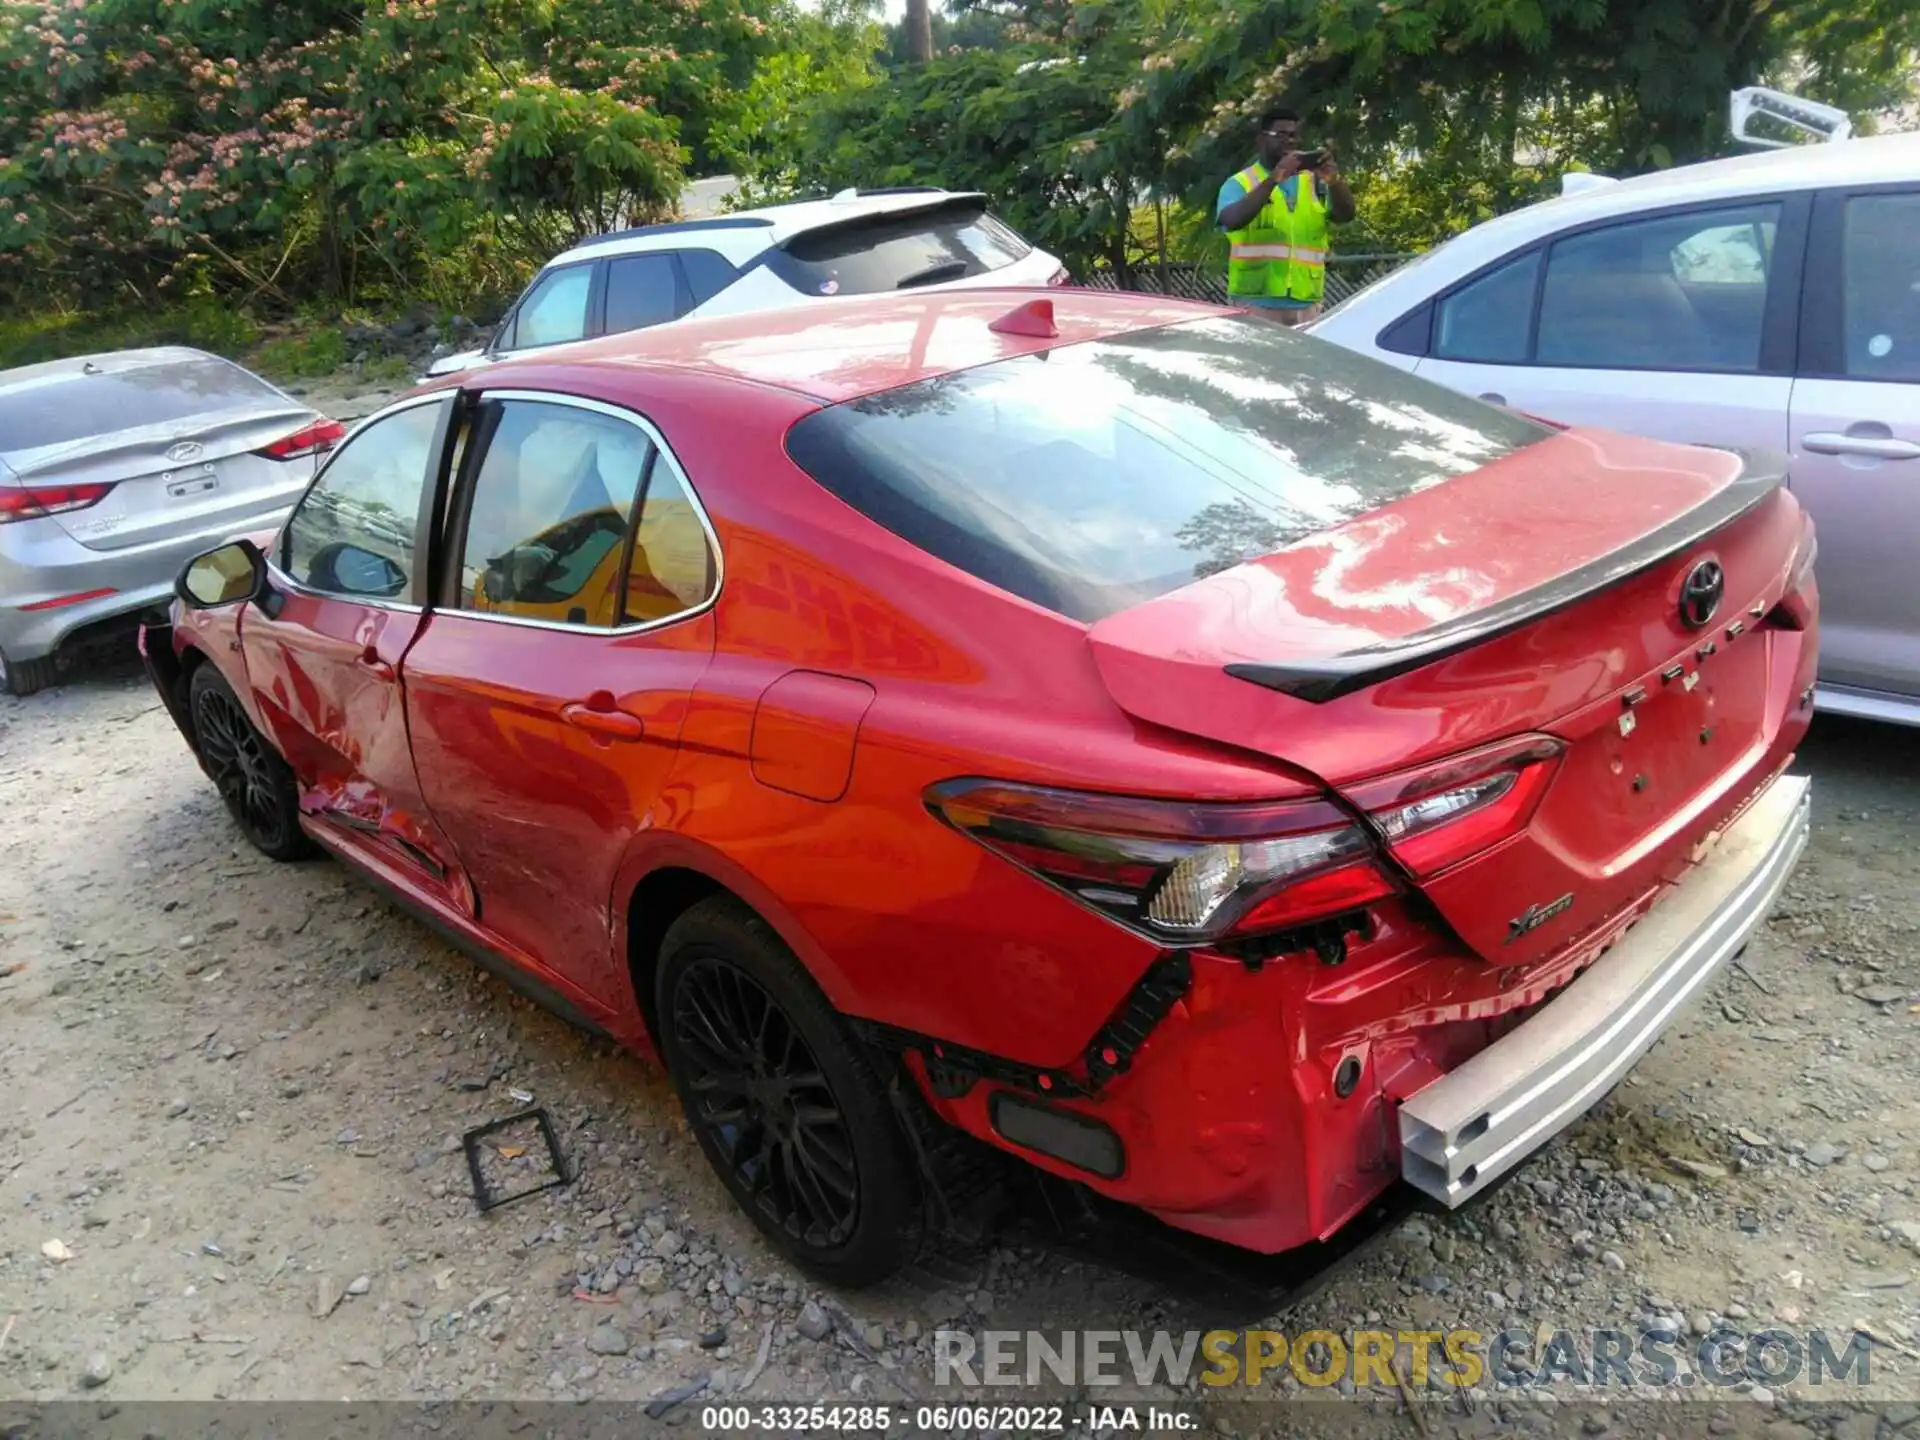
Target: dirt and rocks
{"type": "Point", "coordinates": [232, 1096]}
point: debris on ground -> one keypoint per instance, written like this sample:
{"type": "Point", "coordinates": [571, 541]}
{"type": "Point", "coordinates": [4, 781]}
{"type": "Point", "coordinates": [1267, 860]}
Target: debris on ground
{"type": "Point", "coordinates": [239, 1157]}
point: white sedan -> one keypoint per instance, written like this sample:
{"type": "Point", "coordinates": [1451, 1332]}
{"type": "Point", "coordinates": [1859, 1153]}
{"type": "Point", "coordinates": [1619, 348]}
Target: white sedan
{"type": "Point", "coordinates": [1771, 300]}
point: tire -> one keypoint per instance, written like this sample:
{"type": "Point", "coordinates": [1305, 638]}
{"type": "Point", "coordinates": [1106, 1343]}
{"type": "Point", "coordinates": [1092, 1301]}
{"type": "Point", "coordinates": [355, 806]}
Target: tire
{"type": "Point", "coordinates": [256, 784]}
{"type": "Point", "coordinates": [28, 677]}
{"type": "Point", "coordinates": [753, 1046]}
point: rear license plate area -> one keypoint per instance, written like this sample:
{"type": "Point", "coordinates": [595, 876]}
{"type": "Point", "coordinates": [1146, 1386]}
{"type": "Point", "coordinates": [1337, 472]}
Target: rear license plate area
{"type": "Point", "coordinates": [180, 486]}
{"type": "Point", "coordinates": [1672, 736]}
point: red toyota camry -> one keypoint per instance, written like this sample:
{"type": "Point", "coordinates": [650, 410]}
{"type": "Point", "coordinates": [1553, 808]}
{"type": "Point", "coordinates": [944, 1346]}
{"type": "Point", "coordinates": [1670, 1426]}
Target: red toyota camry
{"type": "Point", "coordinates": [1211, 766]}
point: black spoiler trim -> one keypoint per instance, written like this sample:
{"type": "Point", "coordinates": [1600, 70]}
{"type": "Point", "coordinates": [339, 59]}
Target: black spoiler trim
{"type": "Point", "coordinates": [1318, 681]}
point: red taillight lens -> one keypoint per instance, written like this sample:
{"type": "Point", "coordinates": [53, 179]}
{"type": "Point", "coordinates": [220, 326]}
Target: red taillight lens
{"type": "Point", "coordinates": [1060, 277]}
{"type": "Point", "coordinates": [30, 502]}
{"type": "Point", "coordinates": [1443, 813]}
{"type": "Point", "coordinates": [1177, 872]}
{"type": "Point", "coordinates": [322, 435]}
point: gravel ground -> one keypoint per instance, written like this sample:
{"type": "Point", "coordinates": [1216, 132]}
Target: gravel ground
{"type": "Point", "coordinates": [231, 1096]}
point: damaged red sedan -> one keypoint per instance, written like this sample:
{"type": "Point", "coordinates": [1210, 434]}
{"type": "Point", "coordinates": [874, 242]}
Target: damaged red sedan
{"type": "Point", "coordinates": [1221, 771]}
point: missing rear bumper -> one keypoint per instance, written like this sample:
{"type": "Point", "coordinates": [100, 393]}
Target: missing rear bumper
{"type": "Point", "coordinates": [1462, 1132]}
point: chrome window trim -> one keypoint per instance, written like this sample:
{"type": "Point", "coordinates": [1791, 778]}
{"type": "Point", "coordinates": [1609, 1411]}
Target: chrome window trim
{"type": "Point", "coordinates": [659, 441]}
{"type": "Point", "coordinates": [366, 422]}
{"type": "Point", "coordinates": [346, 596]}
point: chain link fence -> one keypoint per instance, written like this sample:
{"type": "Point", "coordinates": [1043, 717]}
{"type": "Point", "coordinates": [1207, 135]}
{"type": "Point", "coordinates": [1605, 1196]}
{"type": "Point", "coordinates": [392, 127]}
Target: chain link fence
{"type": "Point", "coordinates": [1345, 274]}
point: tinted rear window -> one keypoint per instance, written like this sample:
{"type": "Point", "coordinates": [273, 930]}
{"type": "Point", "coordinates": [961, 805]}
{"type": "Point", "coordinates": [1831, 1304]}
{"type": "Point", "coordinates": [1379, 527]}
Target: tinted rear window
{"type": "Point", "coordinates": [898, 252]}
{"type": "Point", "coordinates": [57, 412]}
{"type": "Point", "coordinates": [1094, 476]}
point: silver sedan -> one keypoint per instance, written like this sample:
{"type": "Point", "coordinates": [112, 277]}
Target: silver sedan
{"type": "Point", "coordinates": [1768, 301]}
{"type": "Point", "coordinates": [115, 470]}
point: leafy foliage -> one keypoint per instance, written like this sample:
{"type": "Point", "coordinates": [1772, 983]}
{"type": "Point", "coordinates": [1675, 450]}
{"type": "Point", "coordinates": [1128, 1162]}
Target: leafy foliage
{"type": "Point", "coordinates": [830, 52]}
{"type": "Point", "coordinates": [353, 148]}
{"type": "Point", "coordinates": [162, 155]}
{"type": "Point", "coordinates": [1443, 112]}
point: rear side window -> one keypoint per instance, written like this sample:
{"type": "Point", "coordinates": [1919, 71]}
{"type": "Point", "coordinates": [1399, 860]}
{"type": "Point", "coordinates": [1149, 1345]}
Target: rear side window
{"type": "Point", "coordinates": [642, 290]}
{"type": "Point", "coordinates": [672, 567]}
{"type": "Point", "coordinates": [708, 272]}
{"type": "Point", "coordinates": [1487, 320]}
{"type": "Point", "coordinates": [1880, 270]}
{"type": "Point", "coordinates": [60, 411]}
{"type": "Point", "coordinates": [547, 522]}
{"type": "Point", "coordinates": [1094, 476]}
{"type": "Point", "coordinates": [898, 252]}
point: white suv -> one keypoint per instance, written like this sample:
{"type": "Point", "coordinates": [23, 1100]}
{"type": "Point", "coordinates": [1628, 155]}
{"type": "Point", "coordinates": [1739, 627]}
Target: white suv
{"type": "Point", "coordinates": [855, 243]}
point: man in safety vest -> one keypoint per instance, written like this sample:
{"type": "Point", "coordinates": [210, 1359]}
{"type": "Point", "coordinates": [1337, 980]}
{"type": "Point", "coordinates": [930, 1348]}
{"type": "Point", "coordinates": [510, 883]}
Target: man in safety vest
{"type": "Point", "coordinates": [1275, 213]}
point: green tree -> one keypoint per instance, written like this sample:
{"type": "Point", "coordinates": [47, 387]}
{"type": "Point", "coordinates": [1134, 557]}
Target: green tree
{"type": "Point", "coordinates": [351, 148]}
{"type": "Point", "coordinates": [828, 52]}
{"type": "Point", "coordinates": [1473, 105]}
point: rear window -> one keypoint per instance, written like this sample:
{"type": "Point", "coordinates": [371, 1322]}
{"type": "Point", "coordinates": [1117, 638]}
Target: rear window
{"type": "Point", "coordinates": [57, 412]}
{"type": "Point", "coordinates": [1094, 476]}
{"type": "Point", "coordinates": [898, 252]}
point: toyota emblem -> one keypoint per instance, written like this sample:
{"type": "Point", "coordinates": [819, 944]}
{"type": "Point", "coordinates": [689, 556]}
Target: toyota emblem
{"type": "Point", "coordinates": [186, 450]}
{"type": "Point", "coordinates": [1700, 595]}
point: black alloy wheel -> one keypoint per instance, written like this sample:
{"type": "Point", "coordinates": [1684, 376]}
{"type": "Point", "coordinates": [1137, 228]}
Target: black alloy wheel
{"type": "Point", "coordinates": [787, 1102]}
{"type": "Point", "coordinates": [759, 1091]}
{"type": "Point", "coordinates": [255, 783]}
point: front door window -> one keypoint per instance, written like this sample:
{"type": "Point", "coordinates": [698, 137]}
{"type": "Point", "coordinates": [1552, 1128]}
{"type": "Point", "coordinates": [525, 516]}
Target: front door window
{"type": "Point", "coordinates": [353, 533]}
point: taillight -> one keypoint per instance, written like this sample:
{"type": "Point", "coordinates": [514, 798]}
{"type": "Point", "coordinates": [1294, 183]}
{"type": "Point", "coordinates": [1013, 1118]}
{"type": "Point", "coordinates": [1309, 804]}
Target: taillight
{"type": "Point", "coordinates": [319, 436]}
{"type": "Point", "coordinates": [1060, 277]}
{"type": "Point", "coordinates": [1179, 873]}
{"type": "Point", "coordinates": [1441, 814]}
{"type": "Point", "coordinates": [31, 502]}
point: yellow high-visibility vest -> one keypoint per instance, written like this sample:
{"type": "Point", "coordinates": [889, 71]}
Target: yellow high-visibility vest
{"type": "Point", "coordinates": [1283, 253]}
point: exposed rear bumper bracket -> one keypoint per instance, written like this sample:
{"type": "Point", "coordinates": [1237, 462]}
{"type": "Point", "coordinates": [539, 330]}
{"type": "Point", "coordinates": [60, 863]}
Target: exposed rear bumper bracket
{"type": "Point", "coordinates": [1462, 1132]}
{"type": "Point", "coordinates": [954, 1069]}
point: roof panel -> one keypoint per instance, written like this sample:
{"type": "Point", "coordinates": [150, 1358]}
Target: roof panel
{"type": "Point", "coordinates": [840, 349]}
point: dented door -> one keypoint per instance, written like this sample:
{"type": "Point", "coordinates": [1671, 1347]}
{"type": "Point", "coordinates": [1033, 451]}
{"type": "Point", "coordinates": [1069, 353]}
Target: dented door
{"type": "Point", "coordinates": [324, 643]}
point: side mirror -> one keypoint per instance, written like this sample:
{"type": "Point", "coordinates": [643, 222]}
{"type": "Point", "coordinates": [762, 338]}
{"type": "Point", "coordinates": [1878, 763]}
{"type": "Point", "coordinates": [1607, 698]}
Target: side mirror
{"type": "Point", "coordinates": [227, 575]}
{"type": "Point", "coordinates": [351, 570]}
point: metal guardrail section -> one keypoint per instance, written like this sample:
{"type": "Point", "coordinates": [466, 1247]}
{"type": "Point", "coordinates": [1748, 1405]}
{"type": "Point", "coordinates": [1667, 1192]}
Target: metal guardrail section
{"type": "Point", "coordinates": [1466, 1129]}
{"type": "Point", "coordinates": [1190, 281]}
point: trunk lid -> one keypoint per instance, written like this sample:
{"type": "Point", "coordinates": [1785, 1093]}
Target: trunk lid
{"type": "Point", "coordinates": [174, 432]}
{"type": "Point", "coordinates": [1541, 595]}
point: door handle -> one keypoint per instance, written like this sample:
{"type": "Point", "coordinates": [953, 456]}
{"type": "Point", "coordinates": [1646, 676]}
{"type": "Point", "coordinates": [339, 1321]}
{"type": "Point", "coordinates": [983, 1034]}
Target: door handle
{"type": "Point", "coordinates": [370, 660]}
{"type": "Point", "coordinates": [1493, 397]}
{"type": "Point", "coordinates": [1832, 442]}
{"type": "Point", "coordinates": [604, 721]}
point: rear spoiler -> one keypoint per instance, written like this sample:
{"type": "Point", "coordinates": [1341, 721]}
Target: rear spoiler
{"type": "Point", "coordinates": [933, 201]}
{"type": "Point", "coordinates": [1318, 681]}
